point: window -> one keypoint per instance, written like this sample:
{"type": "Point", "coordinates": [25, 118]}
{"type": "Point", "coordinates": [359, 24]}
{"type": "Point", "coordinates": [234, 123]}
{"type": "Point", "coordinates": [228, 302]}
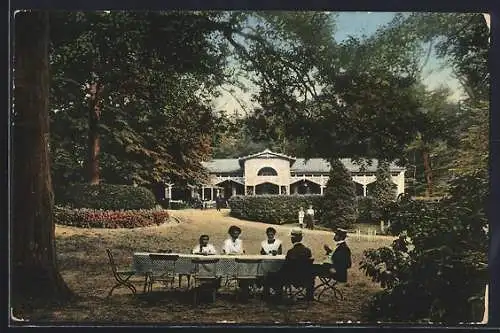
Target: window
{"type": "Point", "coordinates": [267, 171]}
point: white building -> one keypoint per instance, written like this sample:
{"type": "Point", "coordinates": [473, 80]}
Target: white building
{"type": "Point", "coordinates": [268, 172]}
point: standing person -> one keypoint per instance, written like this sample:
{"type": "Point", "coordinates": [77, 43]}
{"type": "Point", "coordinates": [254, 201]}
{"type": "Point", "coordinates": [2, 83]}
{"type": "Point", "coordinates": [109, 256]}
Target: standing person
{"type": "Point", "coordinates": [272, 245]}
{"type": "Point", "coordinates": [218, 202]}
{"type": "Point", "coordinates": [310, 218]}
{"type": "Point", "coordinates": [341, 257]}
{"type": "Point", "coordinates": [301, 217]}
{"type": "Point", "coordinates": [204, 247]}
{"type": "Point", "coordinates": [233, 245]}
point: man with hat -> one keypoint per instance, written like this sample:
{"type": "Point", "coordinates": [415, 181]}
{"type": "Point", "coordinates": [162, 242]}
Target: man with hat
{"type": "Point", "coordinates": [341, 257]}
{"type": "Point", "coordinates": [296, 270]}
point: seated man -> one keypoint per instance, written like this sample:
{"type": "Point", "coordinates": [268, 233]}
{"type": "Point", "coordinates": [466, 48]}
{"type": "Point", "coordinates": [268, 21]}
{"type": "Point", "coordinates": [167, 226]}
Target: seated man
{"type": "Point", "coordinates": [204, 247]}
{"type": "Point", "coordinates": [296, 270]}
{"type": "Point", "coordinates": [341, 258]}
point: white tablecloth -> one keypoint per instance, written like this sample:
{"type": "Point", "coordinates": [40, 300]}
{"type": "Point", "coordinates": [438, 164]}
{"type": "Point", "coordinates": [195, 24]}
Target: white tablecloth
{"type": "Point", "coordinates": [226, 266]}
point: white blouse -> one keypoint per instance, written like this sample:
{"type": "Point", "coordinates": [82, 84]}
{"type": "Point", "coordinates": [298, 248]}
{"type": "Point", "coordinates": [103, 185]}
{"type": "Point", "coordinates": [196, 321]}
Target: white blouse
{"type": "Point", "coordinates": [209, 249]}
{"type": "Point", "coordinates": [230, 247]}
{"type": "Point", "coordinates": [269, 248]}
{"type": "Point", "coordinates": [310, 211]}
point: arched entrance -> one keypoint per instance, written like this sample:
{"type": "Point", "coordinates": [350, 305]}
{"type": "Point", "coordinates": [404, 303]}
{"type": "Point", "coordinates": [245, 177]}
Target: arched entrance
{"type": "Point", "coordinates": [267, 188]}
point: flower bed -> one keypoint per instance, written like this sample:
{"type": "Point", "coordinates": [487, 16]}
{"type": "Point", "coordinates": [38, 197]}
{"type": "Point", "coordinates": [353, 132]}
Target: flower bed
{"type": "Point", "coordinates": [96, 218]}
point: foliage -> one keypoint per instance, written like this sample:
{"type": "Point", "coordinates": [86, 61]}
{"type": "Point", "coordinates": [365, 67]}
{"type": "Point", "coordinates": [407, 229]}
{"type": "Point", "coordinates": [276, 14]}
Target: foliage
{"type": "Point", "coordinates": [93, 218]}
{"type": "Point", "coordinates": [338, 207]}
{"type": "Point", "coordinates": [383, 191]}
{"type": "Point", "coordinates": [364, 208]}
{"type": "Point", "coordinates": [149, 99]}
{"type": "Point", "coordinates": [274, 209]}
{"type": "Point", "coordinates": [443, 268]}
{"type": "Point", "coordinates": [459, 38]}
{"type": "Point", "coordinates": [106, 196]}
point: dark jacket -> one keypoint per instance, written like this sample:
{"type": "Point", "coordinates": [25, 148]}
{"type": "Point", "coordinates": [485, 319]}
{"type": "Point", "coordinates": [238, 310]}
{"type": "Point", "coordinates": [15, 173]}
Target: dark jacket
{"type": "Point", "coordinates": [298, 252]}
{"type": "Point", "coordinates": [298, 263]}
{"type": "Point", "coordinates": [341, 261]}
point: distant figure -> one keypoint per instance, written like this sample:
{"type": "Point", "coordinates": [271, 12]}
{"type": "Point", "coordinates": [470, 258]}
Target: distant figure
{"type": "Point", "coordinates": [309, 217]}
{"type": "Point", "coordinates": [204, 247]}
{"type": "Point", "coordinates": [301, 217]}
{"type": "Point", "coordinates": [272, 245]}
{"type": "Point", "coordinates": [233, 245]}
{"type": "Point", "coordinates": [219, 201]}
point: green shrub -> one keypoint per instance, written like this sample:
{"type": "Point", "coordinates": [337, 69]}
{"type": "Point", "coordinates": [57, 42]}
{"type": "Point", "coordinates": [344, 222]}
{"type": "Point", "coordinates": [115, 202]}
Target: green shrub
{"type": "Point", "coordinates": [93, 218]}
{"type": "Point", "coordinates": [339, 203]}
{"type": "Point", "coordinates": [274, 209]}
{"type": "Point", "coordinates": [441, 274]}
{"type": "Point", "coordinates": [364, 208]}
{"type": "Point", "coordinates": [106, 196]}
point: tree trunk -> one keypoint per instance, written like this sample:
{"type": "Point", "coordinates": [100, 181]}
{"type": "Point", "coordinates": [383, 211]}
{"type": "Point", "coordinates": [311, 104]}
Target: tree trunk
{"type": "Point", "coordinates": [34, 273]}
{"type": "Point", "coordinates": [427, 172]}
{"type": "Point", "coordinates": [94, 143]}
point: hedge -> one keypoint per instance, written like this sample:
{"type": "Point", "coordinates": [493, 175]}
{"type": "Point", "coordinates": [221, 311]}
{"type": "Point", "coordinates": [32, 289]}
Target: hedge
{"type": "Point", "coordinates": [106, 196]}
{"type": "Point", "coordinates": [274, 209]}
{"type": "Point", "coordinates": [94, 218]}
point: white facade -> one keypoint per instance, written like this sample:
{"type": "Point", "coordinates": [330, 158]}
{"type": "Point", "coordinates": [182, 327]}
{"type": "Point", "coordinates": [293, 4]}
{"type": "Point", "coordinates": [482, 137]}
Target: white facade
{"type": "Point", "coordinates": [273, 173]}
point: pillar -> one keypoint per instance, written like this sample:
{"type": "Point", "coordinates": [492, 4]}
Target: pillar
{"type": "Point", "coordinates": [322, 189]}
{"type": "Point", "coordinates": [233, 189]}
{"type": "Point", "coordinates": [364, 190]}
{"type": "Point", "coordinates": [203, 193]}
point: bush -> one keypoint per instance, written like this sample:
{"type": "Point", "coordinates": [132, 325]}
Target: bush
{"type": "Point", "coordinates": [339, 203]}
{"type": "Point", "coordinates": [92, 218]}
{"type": "Point", "coordinates": [443, 270]}
{"type": "Point", "coordinates": [364, 209]}
{"type": "Point", "coordinates": [274, 209]}
{"type": "Point", "coordinates": [106, 196]}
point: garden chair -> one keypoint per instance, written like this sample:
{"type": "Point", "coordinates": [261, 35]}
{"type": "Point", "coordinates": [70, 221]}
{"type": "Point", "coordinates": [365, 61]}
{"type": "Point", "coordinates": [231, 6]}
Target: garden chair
{"type": "Point", "coordinates": [247, 273]}
{"type": "Point", "coordinates": [162, 269]}
{"type": "Point", "coordinates": [121, 276]}
{"type": "Point", "coordinates": [205, 277]}
{"type": "Point", "coordinates": [299, 277]}
{"type": "Point", "coordinates": [327, 283]}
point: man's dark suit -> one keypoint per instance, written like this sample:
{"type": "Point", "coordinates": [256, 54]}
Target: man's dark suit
{"type": "Point", "coordinates": [296, 270]}
{"type": "Point", "coordinates": [341, 261]}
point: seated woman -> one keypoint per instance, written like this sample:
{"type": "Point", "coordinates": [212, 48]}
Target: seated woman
{"type": "Point", "coordinates": [233, 245]}
{"type": "Point", "coordinates": [204, 247]}
{"type": "Point", "coordinates": [271, 246]}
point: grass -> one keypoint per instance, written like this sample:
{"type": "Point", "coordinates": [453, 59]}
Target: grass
{"type": "Point", "coordinates": [84, 266]}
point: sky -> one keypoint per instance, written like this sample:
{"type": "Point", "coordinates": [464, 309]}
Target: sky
{"type": "Point", "coordinates": [356, 24]}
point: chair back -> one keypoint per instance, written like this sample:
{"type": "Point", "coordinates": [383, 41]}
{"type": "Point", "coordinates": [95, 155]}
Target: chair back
{"type": "Point", "coordinates": [111, 261]}
{"type": "Point", "coordinates": [248, 267]}
{"type": "Point", "coordinates": [205, 268]}
{"type": "Point", "coordinates": [299, 271]}
{"type": "Point", "coordinates": [163, 262]}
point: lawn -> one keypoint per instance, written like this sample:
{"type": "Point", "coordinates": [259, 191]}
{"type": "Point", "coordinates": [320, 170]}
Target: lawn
{"type": "Point", "coordinates": [84, 266]}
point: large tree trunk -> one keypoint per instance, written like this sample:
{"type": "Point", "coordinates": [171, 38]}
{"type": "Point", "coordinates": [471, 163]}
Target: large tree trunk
{"type": "Point", "coordinates": [94, 143]}
{"type": "Point", "coordinates": [34, 272]}
{"type": "Point", "coordinates": [427, 172]}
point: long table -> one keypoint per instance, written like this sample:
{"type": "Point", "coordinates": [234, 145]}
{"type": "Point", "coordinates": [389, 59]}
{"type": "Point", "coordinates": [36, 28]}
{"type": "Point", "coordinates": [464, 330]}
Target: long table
{"type": "Point", "coordinates": [226, 266]}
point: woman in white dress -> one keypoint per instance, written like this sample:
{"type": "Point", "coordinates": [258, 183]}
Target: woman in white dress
{"type": "Point", "coordinates": [233, 245]}
{"type": "Point", "coordinates": [272, 245]}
